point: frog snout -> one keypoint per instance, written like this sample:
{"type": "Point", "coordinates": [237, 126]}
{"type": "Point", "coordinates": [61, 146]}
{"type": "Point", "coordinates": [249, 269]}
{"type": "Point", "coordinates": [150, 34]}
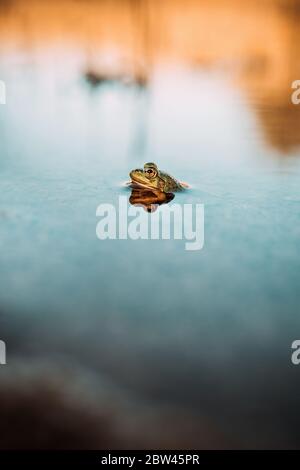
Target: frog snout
{"type": "Point", "coordinates": [133, 172]}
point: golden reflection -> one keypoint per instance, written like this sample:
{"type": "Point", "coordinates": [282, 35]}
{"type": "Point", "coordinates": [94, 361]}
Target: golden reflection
{"type": "Point", "coordinates": [256, 43]}
{"type": "Point", "coordinates": [149, 200]}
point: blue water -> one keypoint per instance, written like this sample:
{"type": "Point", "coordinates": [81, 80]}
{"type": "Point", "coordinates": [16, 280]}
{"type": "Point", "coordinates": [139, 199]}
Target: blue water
{"type": "Point", "coordinates": [205, 332]}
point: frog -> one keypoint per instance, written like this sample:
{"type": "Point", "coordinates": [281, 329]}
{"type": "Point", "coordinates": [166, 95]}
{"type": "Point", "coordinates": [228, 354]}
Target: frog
{"type": "Point", "coordinates": [152, 178]}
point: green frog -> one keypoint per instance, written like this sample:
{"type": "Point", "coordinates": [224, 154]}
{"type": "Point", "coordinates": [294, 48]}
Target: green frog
{"type": "Point", "coordinates": [152, 178]}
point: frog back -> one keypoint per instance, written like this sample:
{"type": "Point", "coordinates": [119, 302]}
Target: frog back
{"type": "Point", "coordinates": [168, 183]}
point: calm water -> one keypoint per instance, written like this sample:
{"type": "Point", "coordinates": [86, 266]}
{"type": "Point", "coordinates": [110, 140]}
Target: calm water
{"type": "Point", "coordinates": [201, 338]}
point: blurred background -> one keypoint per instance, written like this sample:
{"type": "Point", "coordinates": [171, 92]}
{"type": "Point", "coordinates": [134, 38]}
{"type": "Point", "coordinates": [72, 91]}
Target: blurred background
{"type": "Point", "coordinates": [141, 344]}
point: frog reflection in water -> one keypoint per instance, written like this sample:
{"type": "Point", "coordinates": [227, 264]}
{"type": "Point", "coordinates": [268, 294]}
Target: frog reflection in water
{"type": "Point", "coordinates": [152, 187]}
{"type": "Point", "coordinates": [148, 199]}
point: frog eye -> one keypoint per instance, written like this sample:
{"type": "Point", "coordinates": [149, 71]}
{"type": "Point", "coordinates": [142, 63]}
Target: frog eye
{"type": "Point", "coordinates": [150, 172]}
